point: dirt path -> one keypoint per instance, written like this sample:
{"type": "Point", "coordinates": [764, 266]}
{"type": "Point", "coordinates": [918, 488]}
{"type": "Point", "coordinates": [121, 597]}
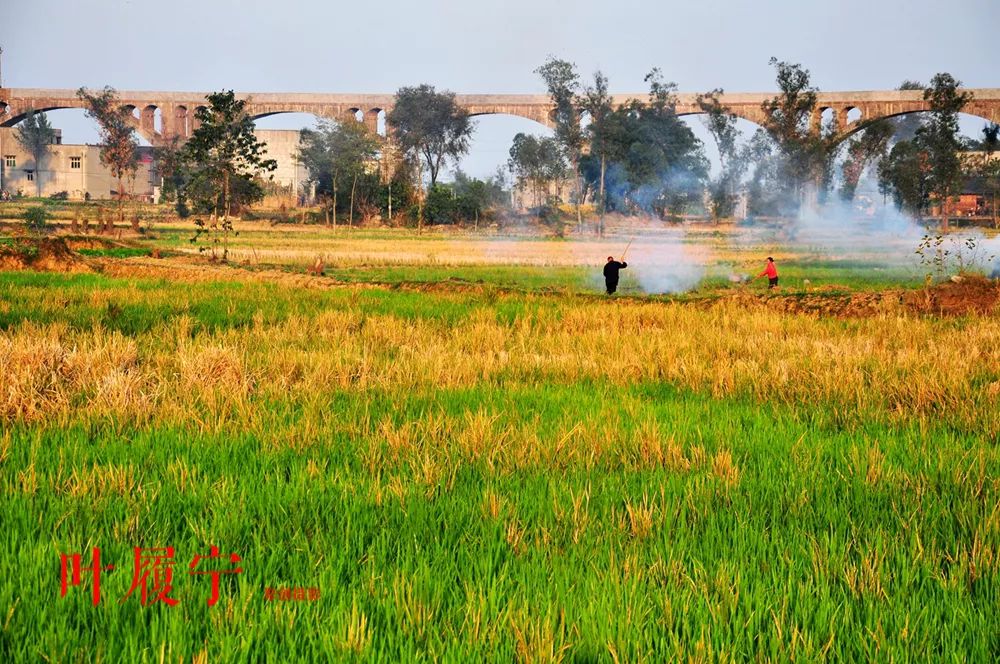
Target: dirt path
{"type": "Point", "coordinates": [969, 295]}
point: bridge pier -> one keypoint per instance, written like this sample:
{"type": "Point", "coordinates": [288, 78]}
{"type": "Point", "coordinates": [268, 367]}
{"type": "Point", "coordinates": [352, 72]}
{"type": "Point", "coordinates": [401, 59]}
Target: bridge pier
{"type": "Point", "coordinates": [147, 122]}
{"type": "Point", "coordinates": [371, 120]}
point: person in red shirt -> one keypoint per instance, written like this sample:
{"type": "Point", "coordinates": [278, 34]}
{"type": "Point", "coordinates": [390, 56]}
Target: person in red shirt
{"type": "Point", "coordinates": [772, 273]}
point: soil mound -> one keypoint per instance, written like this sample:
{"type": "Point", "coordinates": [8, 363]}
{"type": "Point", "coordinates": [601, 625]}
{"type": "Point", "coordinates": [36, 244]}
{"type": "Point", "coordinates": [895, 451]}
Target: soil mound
{"type": "Point", "coordinates": [960, 295]}
{"type": "Point", "coordinates": [957, 297]}
{"type": "Point", "coordinates": [50, 254]}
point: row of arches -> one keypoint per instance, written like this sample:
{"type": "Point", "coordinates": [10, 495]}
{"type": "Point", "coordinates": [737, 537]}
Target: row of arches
{"type": "Point", "coordinates": [374, 118]}
{"type": "Point", "coordinates": [835, 119]}
{"type": "Point", "coordinates": [490, 145]}
{"type": "Point", "coordinates": [150, 121]}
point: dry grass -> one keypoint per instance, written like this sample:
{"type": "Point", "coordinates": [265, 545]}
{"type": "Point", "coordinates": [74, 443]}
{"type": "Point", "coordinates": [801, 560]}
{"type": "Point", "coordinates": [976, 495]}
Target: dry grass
{"type": "Point", "coordinates": [897, 365]}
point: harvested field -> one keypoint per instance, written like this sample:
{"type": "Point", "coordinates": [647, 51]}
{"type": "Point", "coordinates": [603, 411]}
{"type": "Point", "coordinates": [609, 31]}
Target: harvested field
{"type": "Point", "coordinates": [497, 461]}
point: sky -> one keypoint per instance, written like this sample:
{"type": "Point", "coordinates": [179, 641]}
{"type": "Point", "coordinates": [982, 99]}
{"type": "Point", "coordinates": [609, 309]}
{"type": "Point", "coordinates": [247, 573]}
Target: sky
{"type": "Point", "coordinates": [476, 47]}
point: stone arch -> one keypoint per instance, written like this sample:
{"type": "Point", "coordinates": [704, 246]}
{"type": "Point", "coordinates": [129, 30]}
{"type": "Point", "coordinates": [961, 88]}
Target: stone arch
{"type": "Point", "coordinates": [542, 114]}
{"type": "Point", "coordinates": [866, 122]}
{"type": "Point", "coordinates": [754, 120]}
{"type": "Point", "coordinates": [149, 118]}
{"type": "Point", "coordinates": [543, 118]}
{"type": "Point", "coordinates": [491, 141]}
{"type": "Point", "coordinates": [14, 116]}
{"type": "Point", "coordinates": [824, 118]}
{"type": "Point", "coordinates": [852, 114]}
{"type": "Point", "coordinates": [182, 121]}
{"type": "Point", "coordinates": [195, 122]}
{"type": "Point", "coordinates": [710, 147]}
{"type": "Point", "coordinates": [371, 117]}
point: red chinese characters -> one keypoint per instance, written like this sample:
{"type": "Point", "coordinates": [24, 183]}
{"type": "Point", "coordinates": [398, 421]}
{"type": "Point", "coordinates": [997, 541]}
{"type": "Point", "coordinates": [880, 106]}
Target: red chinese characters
{"type": "Point", "coordinates": [152, 573]}
{"type": "Point", "coordinates": [74, 578]}
{"type": "Point", "coordinates": [214, 554]}
{"type": "Point", "coordinates": [158, 564]}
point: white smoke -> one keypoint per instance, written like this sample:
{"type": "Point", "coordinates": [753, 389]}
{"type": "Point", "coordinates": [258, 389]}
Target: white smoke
{"type": "Point", "coordinates": [841, 226]}
{"type": "Point", "coordinates": [660, 260]}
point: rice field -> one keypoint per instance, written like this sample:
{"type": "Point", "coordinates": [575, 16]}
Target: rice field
{"type": "Point", "coordinates": [482, 458]}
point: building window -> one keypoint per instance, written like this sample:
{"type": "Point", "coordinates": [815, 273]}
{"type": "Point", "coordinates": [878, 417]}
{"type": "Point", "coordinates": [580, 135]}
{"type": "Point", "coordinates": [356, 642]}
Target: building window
{"type": "Point", "coordinates": [10, 161]}
{"type": "Point", "coordinates": [31, 176]}
{"type": "Point", "coordinates": [74, 162]}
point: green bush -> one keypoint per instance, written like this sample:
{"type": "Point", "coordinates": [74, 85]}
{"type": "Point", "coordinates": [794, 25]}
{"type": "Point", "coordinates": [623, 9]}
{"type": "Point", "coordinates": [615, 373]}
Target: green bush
{"type": "Point", "coordinates": [36, 218]}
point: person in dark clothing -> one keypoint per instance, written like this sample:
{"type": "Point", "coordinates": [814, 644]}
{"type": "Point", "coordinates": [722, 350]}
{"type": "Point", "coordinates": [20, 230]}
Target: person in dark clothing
{"type": "Point", "coordinates": [611, 269]}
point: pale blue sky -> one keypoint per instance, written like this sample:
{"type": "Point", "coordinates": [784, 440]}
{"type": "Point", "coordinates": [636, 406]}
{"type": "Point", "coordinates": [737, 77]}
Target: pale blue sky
{"type": "Point", "coordinates": [299, 45]}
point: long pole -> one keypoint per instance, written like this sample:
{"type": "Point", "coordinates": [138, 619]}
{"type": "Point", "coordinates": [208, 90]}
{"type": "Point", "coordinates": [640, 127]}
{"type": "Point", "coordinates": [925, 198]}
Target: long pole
{"type": "Point", "coordinates": [626, 249]}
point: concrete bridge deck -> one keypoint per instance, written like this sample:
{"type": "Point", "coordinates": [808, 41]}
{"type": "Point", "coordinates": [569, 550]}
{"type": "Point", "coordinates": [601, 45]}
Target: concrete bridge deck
{"type": "Point", "coordinates": [160, 115]}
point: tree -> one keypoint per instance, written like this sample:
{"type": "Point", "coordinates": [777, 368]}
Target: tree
{"type": "Point", "coordinates": [721, 125]}
{"type": "Point", "coordinates": [173, 172]}
{"type": "Point", "coordinates": [659, 164]}
{"type": "Point", "coordinates": [36, 219]}
{"type": "Point", "coordinates": [805, 152]}
{"type": "Point", "coordinates": [597, 102]}
{"type": "Point", "coordinates": [337, 153]}
{"type": "Point", "coordinates": [939, 138]}
{"type": "Point", "coordinates": [226, 158]}
{"type": "Point", "coordinates": [867, 147]}
{"type": "Point", "coordinates": [536, 163]}
{"type": "Point", "coordinates": [991, 138]}
{"type": "Point", "coordinates": [118, 141]}
{"type": "Point", "coordinates": [989, 166]}
{"type": "Point", "coordinates": [765, 188]}
{"type": "Point", "coordinates": [476, 199]}
{"type": "Point", "coordinates": [905, 173]}
{"type": "Point", "coordinates": [430, 125]}
{"type": "Point", "coordinates": [906, 125]}
{"type": "Point", "coordinates": [36, 135]}
{"type": "Point", "coordinates": [562, 81]}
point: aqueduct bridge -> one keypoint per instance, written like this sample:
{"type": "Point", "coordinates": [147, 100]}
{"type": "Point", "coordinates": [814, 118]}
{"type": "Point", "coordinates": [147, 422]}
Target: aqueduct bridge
{"type": "Point", "coordinates": [162, 115]}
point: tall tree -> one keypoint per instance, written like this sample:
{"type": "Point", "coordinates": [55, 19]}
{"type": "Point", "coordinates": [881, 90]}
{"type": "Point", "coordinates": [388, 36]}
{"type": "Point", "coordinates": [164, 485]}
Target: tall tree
{"type": "Point", "coordinates": [36, 136]}
{"type": "Point", "coordinates": [118, 141]}
{"type": "Point", "coordinates": [169, 159]}
{"type": "Point", "coordinates": [905, 173]}
{"type": "Point", "coordinates": [721, 125]}
{"type": "Point", "coordinates": [536, 163]}
{"type": "Point", "coordinates": [597, 103]}
{"type": "Point", "coordinates": [226, 157]}
{"type": "Point", "coordinates": [336, 154]}
{"type": "Point", "coordinates": [867, 147]}
{"type": "Point", "coordinates": [430, 125]}
{"type": "Point", "coordinates": [906, 125]}
{"type": "Point", "coordinates": [940, 139]}
{"type": "Point", "coordinates": [663, 166]}
{"type": "Point", "coordinates": [766, 189]}
{"type": "Point", "coordinates": [805, 154]}
{"type": "Point", "coordinates": [562, 81]}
